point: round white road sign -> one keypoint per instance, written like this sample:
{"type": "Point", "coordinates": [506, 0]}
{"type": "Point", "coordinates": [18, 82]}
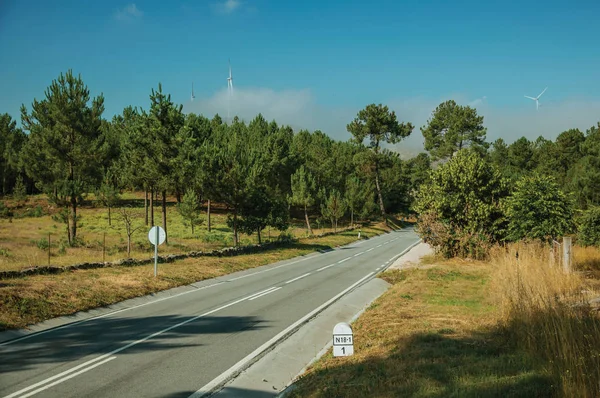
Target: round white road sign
{"type": "Point", "coordinates": [161, 235]}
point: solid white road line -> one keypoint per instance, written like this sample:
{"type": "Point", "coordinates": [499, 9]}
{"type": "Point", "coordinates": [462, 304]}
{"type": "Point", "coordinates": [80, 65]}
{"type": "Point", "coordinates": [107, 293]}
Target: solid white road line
{"type": "Point", "coordinates": [155, 301]}
{"type": "Point", "coordinates": [300, 277]}
{"type": "Point", "coordinates": [67, 378]}
{"type": "Point", "coordinates": [107, 314]}
{"type": "Point", "coordinates": [264, 294]}
{"type": "Point", "coordinates": [236, 368]}
{"type": "Point", "coordinates": [102, 357]}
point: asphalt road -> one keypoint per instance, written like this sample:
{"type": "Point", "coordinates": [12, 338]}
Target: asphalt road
{"type": "Point", "coordinates": [178, 346]}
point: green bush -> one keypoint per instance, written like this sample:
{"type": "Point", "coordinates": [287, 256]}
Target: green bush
{"type": "Point", "coordinates": [42, 243]}
{"type": "Point", "coordinates": [460, 208]}
{"type": "Point", "coordinates": [589, 228]}
{"type": "Point", "coordinates": [5, 212]}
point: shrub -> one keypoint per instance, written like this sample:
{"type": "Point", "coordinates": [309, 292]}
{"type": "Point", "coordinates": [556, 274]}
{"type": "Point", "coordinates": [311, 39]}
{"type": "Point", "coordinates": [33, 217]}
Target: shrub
{"type": "Point", "coordinates": [589, 228]}
{"type": "Point", "coordinates": [5, 211]}
{"type": "Point", "coordinates": [460, 209]}
{"type": "Point", "coordinates": [41, 244]}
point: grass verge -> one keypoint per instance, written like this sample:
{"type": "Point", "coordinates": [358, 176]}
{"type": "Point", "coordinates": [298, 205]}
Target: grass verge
{"type": "Point", "coordinates": [511, 326]}
{"type": "Point", "coordinates": [433, 334]}
{"type": "Point", "coordinates": [32, 299]}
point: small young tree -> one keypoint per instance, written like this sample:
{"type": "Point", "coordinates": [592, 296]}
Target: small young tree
{"type": "Point", "coordinates": [129, 219]}
{"type": "Point", "coordinates": [358, 193]}
{"type": "Point", "coordinates": [189, 208]}
{"type": "Point", "coordinates": [19, 192]}
{"type": "Point", "coordinates": [108, 195]}
{"type": "Point", "coordinates": [303, 191]}
{"type": "Point", "coordinates": [538, 209]}
{"type": "Point", "coordinates": [334, 208]}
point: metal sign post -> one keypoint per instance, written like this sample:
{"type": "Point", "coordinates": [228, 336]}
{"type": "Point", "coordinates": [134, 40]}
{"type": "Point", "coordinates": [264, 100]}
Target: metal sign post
{"type": "Point", "coordinates": [156, 236]}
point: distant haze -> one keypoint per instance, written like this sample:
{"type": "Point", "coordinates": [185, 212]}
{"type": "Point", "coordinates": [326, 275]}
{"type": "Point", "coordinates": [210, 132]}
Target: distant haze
{"type": "Point", "coordinates": [300, 110]}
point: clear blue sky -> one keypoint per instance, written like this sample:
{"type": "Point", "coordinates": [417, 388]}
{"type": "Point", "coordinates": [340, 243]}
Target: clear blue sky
{"type": "Point", "coordinates": [348, 53]}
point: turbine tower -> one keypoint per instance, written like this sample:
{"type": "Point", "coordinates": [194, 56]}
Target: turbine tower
{"type": "Point", "coordinates": [193, 96]}
{"type": "Point", "coordinates": [537, 103]}
{"type": "Point", "coordinates": [229, 90]}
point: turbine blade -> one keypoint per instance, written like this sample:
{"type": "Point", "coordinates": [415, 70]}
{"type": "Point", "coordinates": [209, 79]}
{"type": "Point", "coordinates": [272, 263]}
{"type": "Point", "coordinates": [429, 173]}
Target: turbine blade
{"type": "Point", "coordinates": [542, 92]}
{"type": "Point", "coordinates": [535, 99]}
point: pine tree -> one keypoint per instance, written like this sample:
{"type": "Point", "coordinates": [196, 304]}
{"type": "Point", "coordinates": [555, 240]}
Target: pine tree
{"type": "Point", "coordinates": [189, 208]}
{"type": "Point", "coordinates": [63, 152]}
{"type": "Point", "coordinates": [303, 192]}
{"type": "Point", "coordinates": [379, 125]}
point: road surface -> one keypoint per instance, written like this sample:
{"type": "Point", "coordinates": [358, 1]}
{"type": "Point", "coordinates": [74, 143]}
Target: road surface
{"type": "Point", "coordinates": [180, 345]}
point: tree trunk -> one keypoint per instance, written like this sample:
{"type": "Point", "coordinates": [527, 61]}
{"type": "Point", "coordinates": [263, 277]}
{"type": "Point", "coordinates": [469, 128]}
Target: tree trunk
{"type": "Point", "coordinates": [178, 196]}
{"type": "Point", "coordinates": [351, 217]}
{"type": "Point", "coordinates": [381, 207]}
{"type": "Point", "coordinates": [208, 214]}
{"type": "Point", "coordinates": [109, 221]}
{"type": "Point", "coordinates": [235, 237]}
{"type": "Point", "coordinates": [66, 215]}
{"type": "Point", "coordinates": [146, 205]}
{"type": "Point", "coordinates": [310, 232]}
{"type": "Point", "coordinates": [335, 228]}
{"type": "Point", "coordinates": [192, 227]}
{"type": "Point", "coordinates": [74, 218]}
{"type": "Point", "coordinates": [128, 244]}
{"type": "Point", "coordinates": [152, 207]}
{"type": "Point", "coordinates": [164, 215]}
{"type": "Point", "coordinates": [259, 241]}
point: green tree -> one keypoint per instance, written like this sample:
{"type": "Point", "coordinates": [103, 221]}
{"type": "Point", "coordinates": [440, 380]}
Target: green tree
{"type": "Point", "coordinates": [460, 209]}
{"type": "Point", "coordinates": [108, 194]}
{"type": "Point", "coordinates": [334, 208]}
{"type": "Point", "coordinates": [538, 209]}
{"type": "Point", "coordinates": [589, 228]}
{"type": "Point", "coordinates": [358, 195]}
{"type": "Point", "coordinates": [189, 208]}
{"type": "Point", "coordinates": [520, 157]}
{"type": "Point", "coordinates": [12, 140]}
{"type": "Point", "coordinates": [261, 209]}
{"type": "Point", "coordinates": [303, 192]}
{"type": "Point", "coordinates": [379, 125]}
{"type": "Point", "coordinates": [165, 122]}
{"type": "Point", "coordinates": [451, 128]}
{"type": "Point", "coordinates": [63, 152]}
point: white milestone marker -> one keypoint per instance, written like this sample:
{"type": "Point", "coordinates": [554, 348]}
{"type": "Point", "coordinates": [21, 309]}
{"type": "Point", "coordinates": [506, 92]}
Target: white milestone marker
{"type": "Point", "coordinates": [343, 342]}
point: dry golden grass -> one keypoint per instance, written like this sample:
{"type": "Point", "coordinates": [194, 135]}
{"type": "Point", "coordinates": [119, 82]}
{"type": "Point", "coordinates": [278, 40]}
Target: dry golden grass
{"type": "Point", "coordinates": [18, 237]}
{"type": "Point", "coordinates": [544, 309]}
{"type": "Point", "coordinates": [433, 334]}
{"type": "Point", "coordinates": [32, 299]}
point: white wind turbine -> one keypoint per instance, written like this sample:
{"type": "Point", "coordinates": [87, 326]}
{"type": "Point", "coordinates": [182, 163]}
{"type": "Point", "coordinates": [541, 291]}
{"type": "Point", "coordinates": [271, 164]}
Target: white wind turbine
{"type": "Point", "coordinates": [193, 96]}
{"type": "Point", "coordinates": [537, 103]}
{"type": "Point", "coordinates": [229, 89]}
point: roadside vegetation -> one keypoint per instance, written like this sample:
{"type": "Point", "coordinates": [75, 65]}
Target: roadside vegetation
{"type": "Point", "coordinates": [468, 328]}
{"type": "Point", "coordinates": [32, 299]}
